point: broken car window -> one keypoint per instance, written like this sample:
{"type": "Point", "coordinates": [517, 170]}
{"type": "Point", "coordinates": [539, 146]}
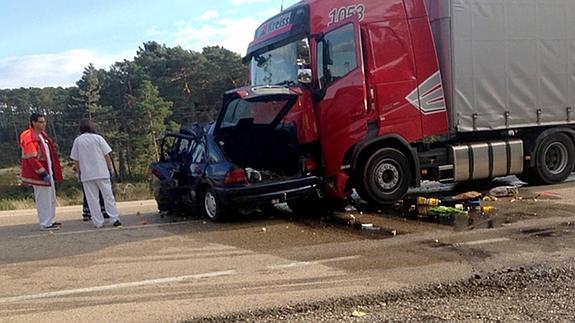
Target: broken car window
{"type": "Point", "coordinates": [199, 152]}
{"type": "Point", "coordinates": [241, 112]}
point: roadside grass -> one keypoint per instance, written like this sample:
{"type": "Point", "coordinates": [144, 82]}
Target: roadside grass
{"type": "Point", "coordinates": [9, 176]}
{"type": "Point", "coordinates": [133, 191]}
{"type": "Point", "coordinates": [14, 196]}
{"type": "Point", "coordinates": [7, 204]}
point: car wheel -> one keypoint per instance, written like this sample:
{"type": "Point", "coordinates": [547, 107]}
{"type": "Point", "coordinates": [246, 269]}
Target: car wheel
{"type": "Point", "coordinates": [386, 177]}
{"type": "Point", "coordinates": [554, 161]}
{"type": "Point", "coordinates": [213, 207]}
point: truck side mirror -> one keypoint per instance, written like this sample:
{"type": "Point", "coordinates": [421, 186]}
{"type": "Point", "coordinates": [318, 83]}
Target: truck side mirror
{"type": "Point", "coordinates": [304, 76]}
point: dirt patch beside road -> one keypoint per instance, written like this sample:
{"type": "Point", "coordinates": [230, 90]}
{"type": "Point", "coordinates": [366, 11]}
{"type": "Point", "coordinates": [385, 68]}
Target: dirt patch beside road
{"type": "Point", "coordinates": [539, 293]}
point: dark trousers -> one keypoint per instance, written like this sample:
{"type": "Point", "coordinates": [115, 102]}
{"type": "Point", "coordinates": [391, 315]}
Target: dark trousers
{"type": "Point", "coordinates": [86, 209]}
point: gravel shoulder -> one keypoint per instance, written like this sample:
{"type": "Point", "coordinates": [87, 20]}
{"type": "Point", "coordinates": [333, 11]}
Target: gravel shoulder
{"type": "Point", "coordinates": [541, 293]}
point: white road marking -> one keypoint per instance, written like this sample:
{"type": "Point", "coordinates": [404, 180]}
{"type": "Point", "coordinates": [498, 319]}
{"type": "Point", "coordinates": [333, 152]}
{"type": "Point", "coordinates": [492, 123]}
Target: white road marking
{"type": "Point", "coordinates": [69, 292]}
{"type": "Point", "coordinates": [201, 253]}
{"type": "Point", "coordinates": [61, 232]}
{"type": "Point", "coordinates": [478, 242]}
{"type": "Point", "coordinates": [116, 286]}
{"type": "Point", "coordinates": [314, 262]}
{"type": "Point", "coordinates": [351, 281]}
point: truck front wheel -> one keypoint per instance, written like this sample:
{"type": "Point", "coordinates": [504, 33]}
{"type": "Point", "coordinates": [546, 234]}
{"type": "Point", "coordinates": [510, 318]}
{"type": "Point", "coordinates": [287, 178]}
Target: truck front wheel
{"type": "Point", "coordinates": [554, 160]}
{"type": "Point", "coordinates": [386, 177]}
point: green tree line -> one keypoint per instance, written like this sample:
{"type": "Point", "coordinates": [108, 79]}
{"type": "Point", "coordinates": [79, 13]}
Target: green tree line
{"type": "Point", "coordinates": [133, 102]}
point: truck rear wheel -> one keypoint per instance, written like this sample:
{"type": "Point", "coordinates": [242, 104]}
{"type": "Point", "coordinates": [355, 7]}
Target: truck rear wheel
{"type": "Point", "coordinates": [386, 177]}
{"type": "Point", "coordinates": [554, 161]}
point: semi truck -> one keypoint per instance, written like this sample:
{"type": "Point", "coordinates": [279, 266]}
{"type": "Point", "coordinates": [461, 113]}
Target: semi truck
{"type": "Point", "coordinates": [385, 94]}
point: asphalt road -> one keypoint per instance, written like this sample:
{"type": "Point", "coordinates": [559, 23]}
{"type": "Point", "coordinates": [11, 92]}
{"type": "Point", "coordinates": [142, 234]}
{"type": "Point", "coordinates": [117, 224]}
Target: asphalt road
{"type": "Point", "coordinates": [185, 268]}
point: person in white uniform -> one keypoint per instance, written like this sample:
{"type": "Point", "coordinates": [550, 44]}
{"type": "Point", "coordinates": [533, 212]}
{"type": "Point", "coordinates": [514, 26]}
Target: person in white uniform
{"type": "Point", "coordinates": [91, 153]}
{"type": "Point", "coordinates": [46, 195]}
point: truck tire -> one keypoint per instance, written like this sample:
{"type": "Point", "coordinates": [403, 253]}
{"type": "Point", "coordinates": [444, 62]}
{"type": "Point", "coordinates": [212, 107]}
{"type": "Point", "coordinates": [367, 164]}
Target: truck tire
{"type": "Point", "coordinates": [554, 161]}
{"type": "Point", "coordinates": [213, 207]}
{"type": "Point", "coordinates": [386, 177]}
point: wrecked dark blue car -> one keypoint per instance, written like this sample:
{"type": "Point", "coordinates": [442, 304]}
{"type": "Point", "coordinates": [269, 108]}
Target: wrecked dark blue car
{"type": "Point", "coordinates": [238, 163]}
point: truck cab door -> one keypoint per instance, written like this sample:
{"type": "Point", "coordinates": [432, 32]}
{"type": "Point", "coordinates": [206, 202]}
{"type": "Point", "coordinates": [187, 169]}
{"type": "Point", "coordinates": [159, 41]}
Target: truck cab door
{"type": "Point", "coordinates": [341, 104]}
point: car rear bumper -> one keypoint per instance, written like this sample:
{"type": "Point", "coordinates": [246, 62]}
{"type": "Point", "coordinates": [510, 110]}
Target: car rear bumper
{"type": "Point", "coordinates": [273, 192]}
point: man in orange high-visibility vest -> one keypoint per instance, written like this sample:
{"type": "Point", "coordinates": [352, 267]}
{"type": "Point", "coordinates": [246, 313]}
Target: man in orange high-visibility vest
{"type": "Point", "coordinates": [41, 169]}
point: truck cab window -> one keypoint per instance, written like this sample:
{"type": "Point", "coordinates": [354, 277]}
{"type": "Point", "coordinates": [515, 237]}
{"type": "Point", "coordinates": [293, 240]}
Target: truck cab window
{"type": "Point", "coordinates": [336, 54]}
{"type": "Point", "coordinates": [285, 65]}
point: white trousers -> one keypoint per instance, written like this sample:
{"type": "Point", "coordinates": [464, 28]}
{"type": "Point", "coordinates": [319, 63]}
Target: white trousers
{"type": "Point", "coordinates": [92, 189]}
{"type": "Point", "coordinates": [45, 197]}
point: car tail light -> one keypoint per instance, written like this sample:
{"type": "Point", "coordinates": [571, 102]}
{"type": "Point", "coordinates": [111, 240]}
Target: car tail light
{"type": "Point", "coordinates": [309, 164]}
{"type": "Point", "coordinates": [243, 93]}
{"type": "Point", "coordinates": [235, 176]}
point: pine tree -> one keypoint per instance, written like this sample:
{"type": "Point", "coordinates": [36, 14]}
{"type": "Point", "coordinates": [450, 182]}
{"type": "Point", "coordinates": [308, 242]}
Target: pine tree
{"type": "Point", "coordinates": [153, 112]}
{"type": "Point", "coordinates": [89, 90]}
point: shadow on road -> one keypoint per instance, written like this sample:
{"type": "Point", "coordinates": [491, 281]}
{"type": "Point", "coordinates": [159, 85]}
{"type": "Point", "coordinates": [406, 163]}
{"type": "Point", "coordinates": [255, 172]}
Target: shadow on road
{"type": "Point", "coordinates": [260, 231]}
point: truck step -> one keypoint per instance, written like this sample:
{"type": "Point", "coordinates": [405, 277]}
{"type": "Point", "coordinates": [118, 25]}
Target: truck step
{"type": "Point", "coordinates": [443, 168]}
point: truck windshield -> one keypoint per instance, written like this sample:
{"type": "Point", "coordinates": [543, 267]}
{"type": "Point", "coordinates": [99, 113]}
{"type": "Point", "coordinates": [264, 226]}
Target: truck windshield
{"type": "Point", "coordinates": [286, 65]}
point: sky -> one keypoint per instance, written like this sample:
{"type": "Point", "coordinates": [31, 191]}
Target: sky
{"type": "Point", "coordinates": [49, 43]}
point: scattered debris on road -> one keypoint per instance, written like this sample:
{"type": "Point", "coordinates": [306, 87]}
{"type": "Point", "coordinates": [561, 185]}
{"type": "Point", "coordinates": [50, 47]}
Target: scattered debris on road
{"type": "Point", "coordinates": [504, 191]}
{"type": "Point", "coordinates": [358, 313]}
{"type": "Point", "coordinates": [347, 218]}
{"type": "Point", "coordinates": [467, 196]}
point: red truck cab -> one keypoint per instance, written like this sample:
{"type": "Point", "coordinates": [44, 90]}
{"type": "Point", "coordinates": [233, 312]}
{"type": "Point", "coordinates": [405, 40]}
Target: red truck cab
{"type": "Point", "coordinates": [368, 77]}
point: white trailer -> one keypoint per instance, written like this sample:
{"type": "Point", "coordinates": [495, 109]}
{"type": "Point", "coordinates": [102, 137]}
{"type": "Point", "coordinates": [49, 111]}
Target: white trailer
{"type": "Point", "coordinates": [508, 68]}
{"type": "Point", "coordinates": [506, 63]}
